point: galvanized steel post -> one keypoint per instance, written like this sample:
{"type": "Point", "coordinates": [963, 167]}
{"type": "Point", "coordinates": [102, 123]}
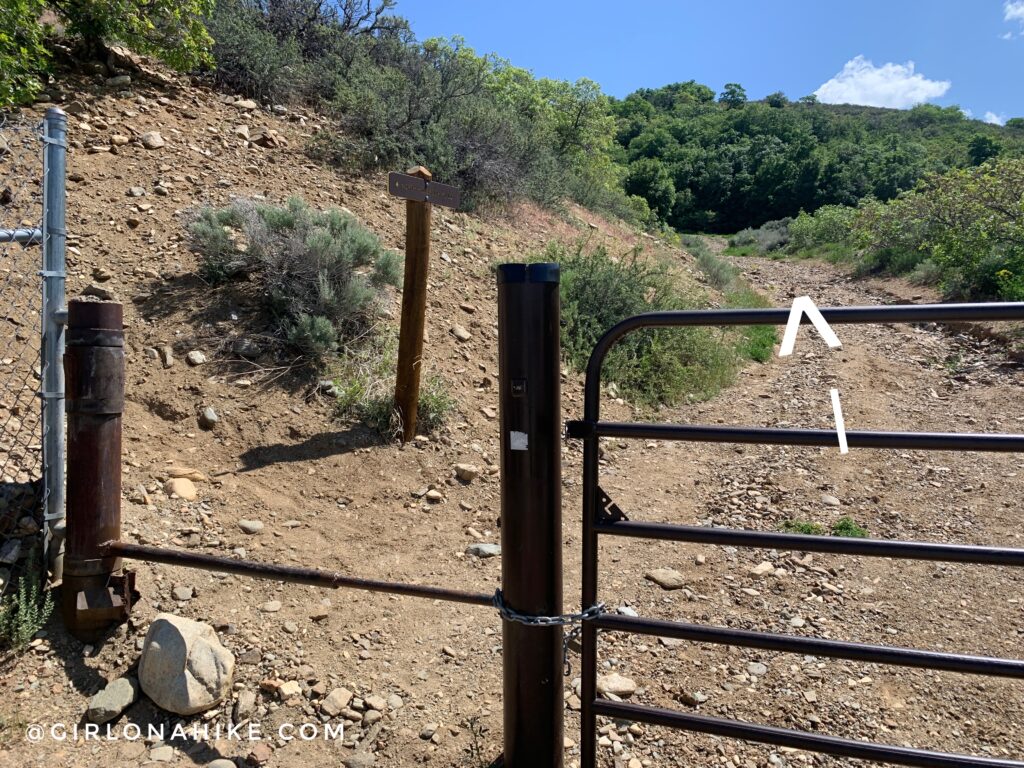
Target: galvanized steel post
{"type": "Point", "coordinates": [529, 368]}
{"type": "Point", "coordinates": [54, 317]}
{"type": "Point", "coordinates": [93, 595]}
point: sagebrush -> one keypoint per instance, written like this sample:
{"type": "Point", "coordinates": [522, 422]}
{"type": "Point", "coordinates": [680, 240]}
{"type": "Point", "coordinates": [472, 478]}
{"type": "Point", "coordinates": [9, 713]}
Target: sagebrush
{"type": "Point", "coordinates": [320, 273]}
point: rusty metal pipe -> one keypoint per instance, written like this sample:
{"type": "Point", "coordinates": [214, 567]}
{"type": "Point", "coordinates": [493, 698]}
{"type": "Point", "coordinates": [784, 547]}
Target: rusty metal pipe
{"type": "Point", "coordinates": [92, 597]}
{"type": "Point", "coordinates": [290, 573]}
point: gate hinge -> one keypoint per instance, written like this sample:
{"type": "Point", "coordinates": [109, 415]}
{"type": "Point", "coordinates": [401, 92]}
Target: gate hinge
{"type": "Point", "coordinates": [608, 511]}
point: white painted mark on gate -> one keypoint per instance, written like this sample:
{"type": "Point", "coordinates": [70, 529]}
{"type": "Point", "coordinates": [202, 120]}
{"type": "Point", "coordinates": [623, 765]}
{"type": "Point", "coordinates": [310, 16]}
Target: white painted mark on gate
{"type": "Point", "coordinates": [837, 409]}
{"type": "Point", "coordinates": [518, 441]}
{"type": "Point", "coordinates": [804, 306]}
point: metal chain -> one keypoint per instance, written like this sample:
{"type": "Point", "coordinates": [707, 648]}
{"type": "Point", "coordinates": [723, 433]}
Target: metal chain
{"type": "Point", "coordinates": [575, 620]}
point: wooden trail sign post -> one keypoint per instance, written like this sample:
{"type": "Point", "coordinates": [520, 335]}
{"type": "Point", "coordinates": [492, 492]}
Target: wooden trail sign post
{"type": "Point", "coordinates": [420, 193]}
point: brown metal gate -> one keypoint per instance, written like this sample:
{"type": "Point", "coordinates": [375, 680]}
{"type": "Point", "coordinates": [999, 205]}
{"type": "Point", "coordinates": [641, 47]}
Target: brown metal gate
{"type": "Point", "coordinates": [601, 517]}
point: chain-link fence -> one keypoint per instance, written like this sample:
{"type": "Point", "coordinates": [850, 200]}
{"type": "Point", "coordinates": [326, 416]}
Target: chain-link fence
{"type": "Point", "coordinates": [32, 156]}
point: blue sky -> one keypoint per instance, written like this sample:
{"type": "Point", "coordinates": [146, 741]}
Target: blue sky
{"type": "Point", "coordinates": [965, 52]}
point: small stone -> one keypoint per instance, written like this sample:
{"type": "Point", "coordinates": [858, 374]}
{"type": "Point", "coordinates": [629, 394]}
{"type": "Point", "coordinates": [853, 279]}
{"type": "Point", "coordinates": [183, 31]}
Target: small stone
{"type": "Point", "coordinates": [830, 501]}
{"type": "Point", "coordinates": [208, 418]}
{"type": "Point", "coordinates": [162, 754]}
{"type": "Point", "coordinates": [796, 622]}
{"type": "Point", "coordinates": [114, 699]}
{"type": "Point", "coordinates": [181, 487]}
{"type": "Point", "coordinates": [291, 627]}
{"type": "Point", "coordinates": [336, 702]}
{"type": "Point", "coordinates": [245, 705]}
{"type": "Point", "coordinates": [250, 526]}
{"type": "Point", "coordinates": [195, 357]}
{"type": "Point", "coordinates": [119, 139]}
{"type": "Point", "coordinates": [762, 569]}
{"type": "Point", "coordinates": [376, 702]}
{"type": "Point", "coordinates": [246, 105]}
{"type": "Point", "coordinates": [97, 290]}
{"type": "Point", "coordinates": [119, 81]}
{"type": "Point", "coordinates": [182, 593]}
{"type": "Point", "coordinates": [757, 669]}
{"type": "Point", "coordinates": [666, 578]}
{"type": "Point", "coordinates": [271, 606]}
{"type": "Point", "coordinates": [136, 192]}
{"type": "Point", "coordinates": [371, 716]}
{"type": "Point", "coordinates": [259, 754]}
{"type": "Point", "coordinates": [616, 684]}
{"type": "Point", "coordinates": [467, 472]}
{"type": "Point", "coordinates": [166, 356]}
{"type": "Point", "coordinates": [152, 140]}
{"type": "Point", "coordinates": [289, 690]}
{"type": "Point", "coordinates": [241, 131]}
{"type": "Point", "coordinates": [693, 699]}
{"type": "Point", "coordinates": [428, 731]}
{"type": "Point", "coordinates": [433, 496]}
{"type": "Point", "coordinates": [460, 333]}
{"type": "Point", "coordinates": [483, 551]}
{"type": "Point", "coordinates": [221, 762]}
{"type": "Point", "coordinates": [467, 308]}
{"type": "Point", "coordinates": [358, 760]}
{"type": "Point", "coordinates": [395, 702]}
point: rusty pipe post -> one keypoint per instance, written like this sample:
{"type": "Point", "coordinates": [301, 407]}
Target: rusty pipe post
{"type": "Point", "coordinates": [93, 595]}
{"type": "Point", "coordinates": [529, 380]}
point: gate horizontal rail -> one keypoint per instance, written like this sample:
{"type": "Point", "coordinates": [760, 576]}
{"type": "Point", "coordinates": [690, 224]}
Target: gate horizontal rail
{"type": "Point", "coordinates": [784, 737]}
{"type": "Point", "coordinates": [798, 542]}
{"type": "Point", "coordinates": [289, 573]}
{"type": "Point", "coordinates": [814, 646]}
{"type": "Point", "coordinates": [597, 520]}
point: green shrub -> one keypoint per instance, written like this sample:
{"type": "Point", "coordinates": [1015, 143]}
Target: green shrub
{"type": "Point", "coordinates": [23, 613]}
{"type": "Point", "coordinates": [651, 367]}
{"type": "Point", "coordinates": [364, 383]}
{"type": "Point", "coordinates": [770, 236]}
{"type": "Point", "coordinates": [435, 405]}
{"type": "Point", "coordinates": [319, 272]}
{"type": "Point", "coordinates": [848, 528]}
{"type": "Point", "coordinates": [23, 52]}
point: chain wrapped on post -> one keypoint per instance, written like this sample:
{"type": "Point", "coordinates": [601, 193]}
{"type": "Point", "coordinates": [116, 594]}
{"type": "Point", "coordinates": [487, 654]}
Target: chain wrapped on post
{"type": "Point", "coordinates": [574, 620]}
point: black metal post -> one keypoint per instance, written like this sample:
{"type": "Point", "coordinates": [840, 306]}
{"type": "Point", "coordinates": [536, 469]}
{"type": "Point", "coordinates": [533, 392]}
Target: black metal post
{"type": "Point", "coordinates": [531, 510]}
{"type": "Point", "coordinates": [92, 596]}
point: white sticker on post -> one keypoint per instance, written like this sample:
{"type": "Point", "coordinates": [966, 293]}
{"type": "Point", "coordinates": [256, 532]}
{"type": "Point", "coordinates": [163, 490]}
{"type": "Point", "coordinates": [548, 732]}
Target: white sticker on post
{"type": "Point", "coordinates": [519, 441]}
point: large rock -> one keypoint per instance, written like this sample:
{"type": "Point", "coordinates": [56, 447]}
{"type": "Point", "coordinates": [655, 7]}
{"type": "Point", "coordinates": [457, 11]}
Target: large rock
{"type": "Point", "coordinates": [118, 695]}
{"type": "Point", "coordinates": [184, 668]}
{"type": "Point", "coordinates": [666, 578]}
{"type": "Point", "coordinates": [616, 685]}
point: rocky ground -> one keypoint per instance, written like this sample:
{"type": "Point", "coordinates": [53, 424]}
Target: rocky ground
{"type": "Point", "coordinates": [276, 478]}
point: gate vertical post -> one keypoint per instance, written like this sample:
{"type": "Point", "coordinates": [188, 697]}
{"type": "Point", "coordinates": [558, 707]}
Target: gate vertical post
{"type": "Point", "coordinates": [529, 374]}
{"type": "Point", "coordinates": [92, 597]}
{"type": "Point", "coordinates": [53, 319]}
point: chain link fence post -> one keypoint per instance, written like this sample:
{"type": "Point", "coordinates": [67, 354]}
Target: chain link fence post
{"type": "Point", "coordinates": [529, 377]}
{"type": "Point", "coordinates": [54, 318]}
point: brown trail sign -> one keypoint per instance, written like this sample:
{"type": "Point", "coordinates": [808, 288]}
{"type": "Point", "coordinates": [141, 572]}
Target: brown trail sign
{"type": "Point", "coordinates": [420, 193]}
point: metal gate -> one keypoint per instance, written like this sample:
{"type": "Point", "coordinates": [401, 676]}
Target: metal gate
{"type": "Point", "coordinates": [602, 517]}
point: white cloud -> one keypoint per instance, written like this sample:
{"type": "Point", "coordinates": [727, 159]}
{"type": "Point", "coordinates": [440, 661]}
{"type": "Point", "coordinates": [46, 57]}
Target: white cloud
{"type": "Point", "coordinates": [890, 85]}
{"type": "Point", "coordinates": [1006, 36]}
{"type": "Point", "coordinates": [967, 113]}
{"type": "Point", "coordinates": [992, 117]}
{"type": "Point", "coordinates": [1013, 10]}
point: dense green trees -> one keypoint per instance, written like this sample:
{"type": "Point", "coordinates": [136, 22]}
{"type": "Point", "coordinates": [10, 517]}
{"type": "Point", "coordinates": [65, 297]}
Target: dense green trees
{"type": "Point", "coordinates": [725, 166]}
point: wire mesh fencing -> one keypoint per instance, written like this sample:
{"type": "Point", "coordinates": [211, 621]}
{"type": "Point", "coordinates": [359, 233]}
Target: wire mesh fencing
{"type": "Point", "coordinates": [21, 300]}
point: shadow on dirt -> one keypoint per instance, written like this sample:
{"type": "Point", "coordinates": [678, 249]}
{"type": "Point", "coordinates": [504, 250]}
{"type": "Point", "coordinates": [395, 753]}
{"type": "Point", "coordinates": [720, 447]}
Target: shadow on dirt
{"type": "Point", "coordinates": [321, 446]}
